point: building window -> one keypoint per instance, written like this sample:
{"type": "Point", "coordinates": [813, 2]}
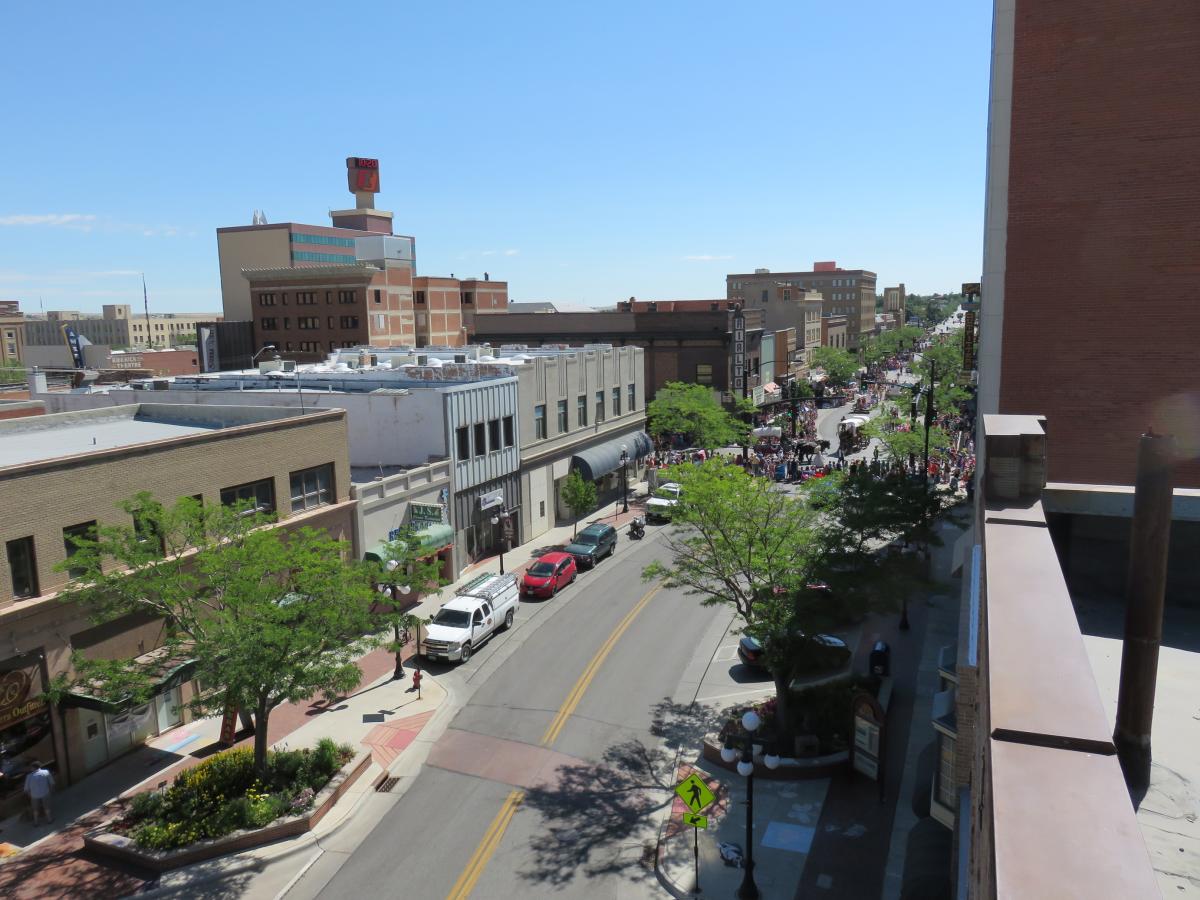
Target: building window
{"type": "Point", "coordinates": [346, 297]}
{"type": "Point", "coordinates": [946, 794]}
{"type": "Point", "coordinates": [349, 321]}
{"type": "Point", "coordinates": [287, 348]}
{"type": "Point", "coordinates": [764, 295]}
{"type": "Point", "coordinates": [468, 298]}
{"type": "Point", "coordinates": [269, 324]}
{"type": "Point", "coordinates": [263, 300]}
{"type": "Point", "coordinates": [305, 298]}
{"type": "Point", "coordinates": [378, 295]}
{"type": "Point", "coordinates": [633, 398]}
{"type": "Point", "coordinates": [581, 410]}
{"type": "Point", "coordinates": [563, 424]}
{"type": "Point", "coordinates": [331, 325]}
{"type": "Point", "coordinates": [419, 298]}
{"type": "Point", "coordinates": [616, 400]}
{"type": "Point", "coordinates": [256, 496]}
{"type": "Point", "coordinates": [480, 439]}
{"type": "Point", "coordinates": [509, 431]}
{"type": "Point", "coordinates": [463, 437]}
{"type": "Point", "coordinates": [328, 297]}
{"type": "Point", "coordinates": [494, 435]}
{"type": "Point", "coordinates": [312, 487]}
{"type": "Point", "coordinates": [599, 407]}
{"type": "Point", "coordinates": [703, 373]}
{"type": "Point", "coordinates": [308, 323]}
{"type": "Point", "coordinates": [23, 566]}
{"type": "Point", "coordinates": [310, 346]}
{"type": "Point", "coordinates": [539, 422]}
{"type": "Point", "coordinates": [72, 534]}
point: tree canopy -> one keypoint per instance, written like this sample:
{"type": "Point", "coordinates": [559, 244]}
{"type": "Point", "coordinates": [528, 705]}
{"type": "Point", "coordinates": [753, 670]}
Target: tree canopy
{"type": "Point", "coordinates": [693, 411]}
{"type": "Point", "coordinates": [580, 496]}
{"type": "Point", "coordinates": [268, 616]}
{"type": "Point", "coordinates": [840, 365]}
{"type": "Point", "coordinates": [405, 564]}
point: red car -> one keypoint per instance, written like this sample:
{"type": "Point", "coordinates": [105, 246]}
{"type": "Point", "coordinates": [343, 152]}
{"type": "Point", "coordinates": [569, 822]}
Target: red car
{"type": "Point", "coordinates": [548, 574]}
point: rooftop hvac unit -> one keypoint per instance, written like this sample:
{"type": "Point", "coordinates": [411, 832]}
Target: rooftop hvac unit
{"type": "Point", "coordinates": [161, 384]}
{"type": "Point", "coordinates": [460, 358]}
{"type": "Point", "coordinates": [289, 365]}
{"type": "Point", "coordinates": [422, 359]}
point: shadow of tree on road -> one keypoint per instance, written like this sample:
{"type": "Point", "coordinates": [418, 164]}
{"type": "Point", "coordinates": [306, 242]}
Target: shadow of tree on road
{"type": "Point", "coordinates": [601, 818]}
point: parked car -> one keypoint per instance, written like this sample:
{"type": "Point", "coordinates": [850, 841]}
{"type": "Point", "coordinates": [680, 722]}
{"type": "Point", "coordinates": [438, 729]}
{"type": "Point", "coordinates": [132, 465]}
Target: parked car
{"type": "Point", "coordinates": [550, 572]}
{"type": "Point", "coordinates": [593, 544]}
{"type": "Point", "coordinates": [480, 609]}
{"type": "Point", "coordinates": [662, 505]}
{"type": "Point", "coordinates": [822, 652]}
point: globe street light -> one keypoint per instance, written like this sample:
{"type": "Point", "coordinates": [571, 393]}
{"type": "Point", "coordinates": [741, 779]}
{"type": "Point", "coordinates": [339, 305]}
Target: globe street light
{"type": "Point", "coordinates": [745, 767]}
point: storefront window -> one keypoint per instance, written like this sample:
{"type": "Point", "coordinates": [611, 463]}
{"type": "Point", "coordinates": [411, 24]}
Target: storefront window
{"type": "Point", "coordinates": [25, 729]}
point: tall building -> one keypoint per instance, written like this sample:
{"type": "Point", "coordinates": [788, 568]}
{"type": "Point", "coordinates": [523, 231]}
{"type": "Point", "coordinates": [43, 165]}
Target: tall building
{"type": "Point", "coordinates": [1092, 194]}
{"type": "Point", "coordinates": [117, 326]}
{"type": "Point", "coordinates": [844, 292]}
{"type": "Point", "coordinates": [894, 313]}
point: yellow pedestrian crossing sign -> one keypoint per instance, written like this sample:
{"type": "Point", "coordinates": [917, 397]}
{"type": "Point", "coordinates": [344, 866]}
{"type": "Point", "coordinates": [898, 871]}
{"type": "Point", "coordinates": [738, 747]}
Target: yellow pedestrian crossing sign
{"type": "Point", "coordinates": [695, 793]}
{"type": "Point", "coordinates": [695, 821]}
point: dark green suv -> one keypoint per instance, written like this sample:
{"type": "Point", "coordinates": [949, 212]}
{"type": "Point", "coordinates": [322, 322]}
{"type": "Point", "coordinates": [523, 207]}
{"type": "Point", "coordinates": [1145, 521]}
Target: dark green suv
{"type": "Point", "coordinates": [593, 544]}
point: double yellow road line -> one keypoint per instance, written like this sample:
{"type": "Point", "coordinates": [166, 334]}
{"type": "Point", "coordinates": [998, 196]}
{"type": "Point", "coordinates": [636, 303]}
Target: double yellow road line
{"type": "Point", "coordinates": [495, 832]}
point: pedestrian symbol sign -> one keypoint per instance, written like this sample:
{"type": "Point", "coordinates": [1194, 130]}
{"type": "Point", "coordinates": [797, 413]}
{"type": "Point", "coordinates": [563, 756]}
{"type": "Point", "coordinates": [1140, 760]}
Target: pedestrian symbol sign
{"type": "Point", "coordinates": [695, 821]}
{"type": "Point", "coordinates": [695, 793]}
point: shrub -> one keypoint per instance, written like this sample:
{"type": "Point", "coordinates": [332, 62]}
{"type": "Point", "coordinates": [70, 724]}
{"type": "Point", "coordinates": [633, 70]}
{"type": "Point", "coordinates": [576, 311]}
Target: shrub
{"type": "Point", "coordinates": [326, 757]}
{"type": "Point", "coordinates": [145, 806]}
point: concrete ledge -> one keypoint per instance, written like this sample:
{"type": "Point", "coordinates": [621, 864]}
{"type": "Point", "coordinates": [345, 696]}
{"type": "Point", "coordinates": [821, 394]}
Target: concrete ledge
{"type": "Point", "coordinates": [789, 769]}
{"type": "Point", "coordinates": [103, 842]}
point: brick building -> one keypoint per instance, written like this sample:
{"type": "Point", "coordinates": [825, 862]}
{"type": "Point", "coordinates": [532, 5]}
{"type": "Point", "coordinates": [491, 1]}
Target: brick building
{"type": "Point", "coordinates": [295, 462]}
{"type": "Point", "coordinates": [844, 292]}
{"type": "Point", "coordinates": [1091, 193]}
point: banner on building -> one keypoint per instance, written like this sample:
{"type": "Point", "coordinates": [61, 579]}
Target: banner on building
{"type": "Point", "coordinates": [739, 352]}
{"type": "Point", "coordinates": [422, 515]}
{"type": "Point", "coordinates": [209, 356]}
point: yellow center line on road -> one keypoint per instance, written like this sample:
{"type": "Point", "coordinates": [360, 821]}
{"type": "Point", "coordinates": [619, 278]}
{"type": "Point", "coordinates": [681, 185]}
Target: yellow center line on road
{"type": "Point", "coordinates": [495, 832]}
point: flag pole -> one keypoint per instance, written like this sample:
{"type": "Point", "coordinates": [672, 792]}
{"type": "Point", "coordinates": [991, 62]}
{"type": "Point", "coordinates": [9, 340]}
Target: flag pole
{"type": "Point", "coordinates": [146, 306]}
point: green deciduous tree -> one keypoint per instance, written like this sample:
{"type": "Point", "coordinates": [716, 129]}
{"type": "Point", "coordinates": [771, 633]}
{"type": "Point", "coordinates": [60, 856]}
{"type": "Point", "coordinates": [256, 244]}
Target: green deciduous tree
{"type": "Point", "coordinates": [580, 496]}
{"type": "Point", "coordinates": [693, 411]}
{"type": "Point", "coordinates": [268, 616]}
{"type": "Point", "coordinates": [840, 365]}
{"type": "Point", "coordinates": [404, 563]}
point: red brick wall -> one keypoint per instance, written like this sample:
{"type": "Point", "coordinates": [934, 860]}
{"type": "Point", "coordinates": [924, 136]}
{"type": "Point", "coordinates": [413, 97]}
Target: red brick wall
{"type": "Point", "coordinates": [1102, 291]}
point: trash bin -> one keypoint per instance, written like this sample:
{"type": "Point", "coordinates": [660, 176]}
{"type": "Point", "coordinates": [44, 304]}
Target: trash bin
{"type": "Point", "coordinates": [881, 659]}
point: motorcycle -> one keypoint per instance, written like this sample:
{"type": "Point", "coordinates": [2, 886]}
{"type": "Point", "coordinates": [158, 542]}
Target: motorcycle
{"type": "Point", "coordinates": [637, 529]}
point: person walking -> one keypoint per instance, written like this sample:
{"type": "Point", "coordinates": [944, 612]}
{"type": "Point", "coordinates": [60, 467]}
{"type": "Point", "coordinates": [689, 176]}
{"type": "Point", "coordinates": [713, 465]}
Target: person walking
{"type": "Point", "coordinates": [39, 784]}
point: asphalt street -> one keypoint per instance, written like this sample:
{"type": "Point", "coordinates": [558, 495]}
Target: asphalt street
{"type": "Point", "coordinates": [553, 776]}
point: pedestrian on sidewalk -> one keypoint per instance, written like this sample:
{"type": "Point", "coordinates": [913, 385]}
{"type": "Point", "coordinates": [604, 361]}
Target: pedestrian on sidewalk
{"type": "Point", "coordinates": [39, 784]}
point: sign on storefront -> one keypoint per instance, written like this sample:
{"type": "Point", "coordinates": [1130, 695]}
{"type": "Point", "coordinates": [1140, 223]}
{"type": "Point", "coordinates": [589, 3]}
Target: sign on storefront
{"type": "Point", "coordinates": [421, 515]}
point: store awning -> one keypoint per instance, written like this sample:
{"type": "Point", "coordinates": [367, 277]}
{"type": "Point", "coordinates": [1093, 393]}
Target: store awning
{"type": "Point", "coordinates": [598, 461]}
{"type": "Point", "coordinates": [432, 538]}
{"type": "Point", "coordinates": [170, 673]}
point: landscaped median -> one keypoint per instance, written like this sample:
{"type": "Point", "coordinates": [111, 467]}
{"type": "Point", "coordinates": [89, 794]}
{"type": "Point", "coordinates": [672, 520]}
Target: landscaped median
{"type": "Point", "coordinates": [221, 806]}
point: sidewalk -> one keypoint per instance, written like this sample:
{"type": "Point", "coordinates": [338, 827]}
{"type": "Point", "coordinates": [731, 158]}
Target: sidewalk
{"type": "Point", "coordinates": [380, 714]}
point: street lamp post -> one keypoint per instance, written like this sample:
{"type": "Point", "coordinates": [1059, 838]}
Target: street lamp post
{"type": "Point", "coordinates": [745, 767]}
{"type": "Point", "coordinates": [495, 522]}
{"type": "Point", "coordinates": [624, 479]}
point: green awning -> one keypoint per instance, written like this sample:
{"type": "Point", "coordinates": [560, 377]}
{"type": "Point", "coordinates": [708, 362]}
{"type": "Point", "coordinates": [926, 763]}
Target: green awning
{"type": "Point", "coordinates": [175, 674]}
{"type": "Point", "coordinates": [432, 538]}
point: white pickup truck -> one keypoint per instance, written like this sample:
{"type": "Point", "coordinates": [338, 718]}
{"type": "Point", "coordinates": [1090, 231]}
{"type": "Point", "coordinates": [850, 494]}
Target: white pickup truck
{"type": "Point", "coordinates": [480, 609]}
{"type": "Point", "coordinates": [662, 505]}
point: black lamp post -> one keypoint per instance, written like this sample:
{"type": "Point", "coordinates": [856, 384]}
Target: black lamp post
{"type": "Point", "coordinates": [495, 522]}
{"type": "Point", "coordinates": [744, 744]}
{"type": "Point", "coordinates": [624, 479]}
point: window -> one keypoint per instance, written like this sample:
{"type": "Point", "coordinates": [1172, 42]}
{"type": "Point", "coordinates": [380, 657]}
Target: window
{"type": "Point", "coordinates": [308, 323]}
{"type": "Point", "coordinates": [23, 566]}
{"type": "Point", "coordinates": [257, 496]}
{"type": "Point", "coordinates": [305, 298]}
{"type": "Point", "coordinates": [84, 531]}
{"type": "Point", "coordinates": [539, 422]}
{"type": "Point", "coordinates": [378, 295]}
{"type": "Point", "coordinates": [542, 509]}
{"type": "Point", "coordinates": [328, 297]}
{"type": "Point", "coordinates": [581, 410]}
{"type": "Point", "coordinates": [312, 487]}
{"type": "Point", "coordinates": [703, 373]}
{"type": "Point", "coordinates": [287, 322]}
{"type": "Point", "coordinates": [265, 300]}
{"type": "Point", "coordinates": [346, 296]}
{"type": "Point", "coordinates": [287, 348]}
{"type": "Point", "coordinates": [494, 435]}
{"type": "Point", "coordinates": [349, 321]}
{"type": "Point", "coordinates": [310, 346]}
{"type": "Point", "coordinates": [468, 298]}
{"type": "Point", "coordinates": [599, 407]}
{"type": "Point", "coordinates": [764, 295]}
{"type": "Point", "coordinates": [309, 256]}
{"type": "Point", "coordinates": [270, 324]}
{"type": "Point", "coordinates": [563, 424]}
{"type": "Point", "coordinates": [946, 793]}
{"type": "Point", "coordinates": [463, 438]}
{"type": "Point", "coordinates": [480, 445]}
{"type": "Point", "coordinates": [633, 398]}
{"type": "Point", "coordinates": [324, 239]}
{"type": "Point", "coordinates": [616, 400]}
{"type": "Point", "coordinates": [419, 298]}
{"type": "Point", "coordinates": [331, 325]}
{"type": "Point", "coordinates": [283, 298]}
{"type": "Point", "coordinates": [509, 431]}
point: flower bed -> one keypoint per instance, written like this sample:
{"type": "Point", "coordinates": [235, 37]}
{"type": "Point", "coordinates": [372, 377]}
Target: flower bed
{"type": "Point", "coordinates": [223, 795]}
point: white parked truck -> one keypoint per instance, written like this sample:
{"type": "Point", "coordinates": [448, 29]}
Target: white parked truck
{"type": "Point", "coordinates": [661, 506]}
{"type": "Point", "coordinates": [479, 609]}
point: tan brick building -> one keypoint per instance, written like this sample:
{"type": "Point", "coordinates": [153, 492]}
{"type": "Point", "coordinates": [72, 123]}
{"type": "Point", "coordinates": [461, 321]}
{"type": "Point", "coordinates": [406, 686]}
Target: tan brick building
{"type": "Point", "coordinates": [62, 474]}
{"type": "Point", "coordinates": [844, 292]}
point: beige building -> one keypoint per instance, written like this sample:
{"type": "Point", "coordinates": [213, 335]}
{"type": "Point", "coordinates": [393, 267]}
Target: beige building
{"type": "Point", "coordinates": [811, 307]}
{"type": "Point", "coordinates": [845, 292]}
{"type": "Point", "coordinates": [833, 331]}
{"type": "Point", "coordinates": [79, 466]}
{"type": "Point", "coordinates": [118, 327]}
{"type": "Point", "coordinates": [12, 339]}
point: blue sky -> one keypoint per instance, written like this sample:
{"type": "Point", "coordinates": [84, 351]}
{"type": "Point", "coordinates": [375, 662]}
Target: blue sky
{"type": "Point", "coordinates": [585, 153]}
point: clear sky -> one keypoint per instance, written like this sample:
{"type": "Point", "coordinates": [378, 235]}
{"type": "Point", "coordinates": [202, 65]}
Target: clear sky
{"type": "Point", "coordinates": [584, 152]}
